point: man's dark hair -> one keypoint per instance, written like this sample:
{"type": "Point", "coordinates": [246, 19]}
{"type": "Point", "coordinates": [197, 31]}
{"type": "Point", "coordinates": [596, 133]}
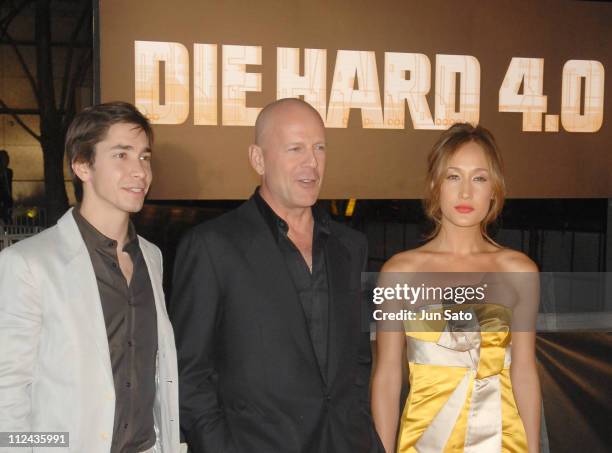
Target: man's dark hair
{"type": "Point", "coordinates": [90, 126]}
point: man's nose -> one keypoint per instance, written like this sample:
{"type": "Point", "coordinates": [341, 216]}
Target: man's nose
{"type": "Point", "coordinates": [311, 159]}
{"type": "Point", "coordinates": [137, 168]}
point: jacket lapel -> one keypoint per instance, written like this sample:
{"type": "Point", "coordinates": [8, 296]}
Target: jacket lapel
{"type": "Point", "coordinates": [271, 274]}
{"type": "Point", "coordinates": [162, 377]}
{"type": "Point", "coordinates": [153, 264]}
{"type": "Point", "coordinates": [83, 289]}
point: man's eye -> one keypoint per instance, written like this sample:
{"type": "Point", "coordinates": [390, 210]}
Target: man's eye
{"type": "Point", "coordinates": [320, 148]}
{"type": "Point", "coordinates": [145, 157]}
{"type": "Point", "coordinates": [120, 155]}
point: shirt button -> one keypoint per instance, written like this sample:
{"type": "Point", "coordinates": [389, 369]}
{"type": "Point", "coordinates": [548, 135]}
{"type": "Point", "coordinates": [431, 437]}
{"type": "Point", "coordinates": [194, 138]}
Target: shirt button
{"type": "Point", "coordinates": [130, 343]}
{"type": "Point", "coordinates": [125, 426]}
{"type": "Point", "coordinates": [128, 384]}
{"type": "Point", "coordinates": [115, 265]}
{"type": "Point", "coordinates": [112, 244]}
{"type": "Point", "coordinates": [104, 436]}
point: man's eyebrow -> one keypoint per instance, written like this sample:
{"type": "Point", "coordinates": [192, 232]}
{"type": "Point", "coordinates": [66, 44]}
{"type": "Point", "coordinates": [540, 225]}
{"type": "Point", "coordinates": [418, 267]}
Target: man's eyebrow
{"type": "Point", "coordinates": [129, 148]}
{"type": "Point", "coordinates": [322, 142]}
{"type": "Point", "coordinates": [120, 146]}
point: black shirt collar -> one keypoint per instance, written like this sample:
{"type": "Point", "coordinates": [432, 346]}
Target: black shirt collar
{"type": "Point", "coordinates": [278, 226]}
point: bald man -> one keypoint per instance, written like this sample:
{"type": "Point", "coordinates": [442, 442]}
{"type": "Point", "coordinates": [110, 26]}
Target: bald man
{"type": "Point", "coordinates": [272, 354]}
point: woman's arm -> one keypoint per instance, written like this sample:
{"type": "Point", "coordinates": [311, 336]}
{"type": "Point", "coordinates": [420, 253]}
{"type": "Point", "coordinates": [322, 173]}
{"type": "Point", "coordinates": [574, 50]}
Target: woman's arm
{"type": "Point", "coordinates": [526, 385]}
{"type": "Point", "coordinates": [387, 386]}
{"type": "Point", "coordinates": [390, 352]}
{"type": "Point", "coordinates": [523, 370]}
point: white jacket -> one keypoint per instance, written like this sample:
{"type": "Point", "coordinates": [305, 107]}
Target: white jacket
{"type": "Point", "coordinates": [55, 368]}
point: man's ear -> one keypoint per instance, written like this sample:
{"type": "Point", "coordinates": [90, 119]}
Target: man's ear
{"type": "Point", "coordinates": [82, 170]}
{"type": "Point", "coordinates": [257, 159]}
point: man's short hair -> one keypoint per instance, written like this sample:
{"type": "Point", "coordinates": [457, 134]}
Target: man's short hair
{"type": "Point", "coordinates": [90, 126]}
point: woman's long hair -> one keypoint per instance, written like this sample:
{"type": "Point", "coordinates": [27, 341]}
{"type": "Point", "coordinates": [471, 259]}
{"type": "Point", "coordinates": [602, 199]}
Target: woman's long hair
{"type": "Point", "coordinates": [447, 145]}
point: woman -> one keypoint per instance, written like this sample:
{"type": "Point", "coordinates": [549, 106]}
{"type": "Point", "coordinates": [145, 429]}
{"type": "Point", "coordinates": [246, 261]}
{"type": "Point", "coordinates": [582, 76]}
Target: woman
{"type": "Point", "coordinates": [482, 402]}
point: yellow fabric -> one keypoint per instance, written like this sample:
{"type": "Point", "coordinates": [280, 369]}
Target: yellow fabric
{"type": "Point", "coordinates": [456, 440]}
{"type": "Point", "coordinates": [435, 386]}
{"type": "Point", "coordinates": [478, 351]}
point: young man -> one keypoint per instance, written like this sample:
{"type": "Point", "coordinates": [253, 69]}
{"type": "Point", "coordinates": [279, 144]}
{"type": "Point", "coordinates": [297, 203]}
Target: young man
{"type": "Point", "coordinates": [85, 342]}
{"type": "Point", "coordinates": [267, 313]}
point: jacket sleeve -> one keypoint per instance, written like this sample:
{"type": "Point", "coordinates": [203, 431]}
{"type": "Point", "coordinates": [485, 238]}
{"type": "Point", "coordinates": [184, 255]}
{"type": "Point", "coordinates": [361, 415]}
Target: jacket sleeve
{"type": "Point", "coordinates": [20, 327]}
{"type": "Point", "coordinates": [365, 351]}
{"type": "Point", "coordinates": [195, 311]}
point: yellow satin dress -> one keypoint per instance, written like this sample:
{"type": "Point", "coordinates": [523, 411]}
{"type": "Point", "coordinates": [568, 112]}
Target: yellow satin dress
{"type": "Point", "coordinates": [460, 396]}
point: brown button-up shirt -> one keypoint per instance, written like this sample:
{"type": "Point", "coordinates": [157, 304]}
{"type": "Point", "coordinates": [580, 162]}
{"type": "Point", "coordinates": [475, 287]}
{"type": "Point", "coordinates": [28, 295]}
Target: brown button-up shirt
{"type": "Point", "coordinates": [131, 327]}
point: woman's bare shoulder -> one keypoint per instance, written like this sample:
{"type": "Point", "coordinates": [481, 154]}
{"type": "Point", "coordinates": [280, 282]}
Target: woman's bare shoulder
{"type": "Point", "coordinates": [407, 261]}
{"type": "Point", "coordinates": [510, 260]}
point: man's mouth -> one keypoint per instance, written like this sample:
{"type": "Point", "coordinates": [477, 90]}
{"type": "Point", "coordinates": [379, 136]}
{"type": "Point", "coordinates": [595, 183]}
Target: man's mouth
{"type": "Point", "coordinates": [135, 189]}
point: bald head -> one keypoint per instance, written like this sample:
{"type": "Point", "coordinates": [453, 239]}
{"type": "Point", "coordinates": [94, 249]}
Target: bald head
{"type": "Point", "coordinates": [289, 154]}
{"type": "Point", "coordinates": [277, 109]}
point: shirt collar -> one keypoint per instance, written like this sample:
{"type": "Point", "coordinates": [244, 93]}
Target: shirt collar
{"type": "Point", "coordinates": [278, 226]}
{"type": "Point", "coordinates": [99, 241]}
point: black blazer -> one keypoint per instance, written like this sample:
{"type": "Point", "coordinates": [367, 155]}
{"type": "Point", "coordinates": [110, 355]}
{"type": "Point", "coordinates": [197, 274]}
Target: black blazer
{"type": "Point", "coordinates": [249, 380]}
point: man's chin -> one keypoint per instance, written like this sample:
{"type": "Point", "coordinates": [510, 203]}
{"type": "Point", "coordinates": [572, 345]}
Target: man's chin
{"type": "Point", "coordinates": [306, 202]}
{"type": "Point", "coordinates": [133, 208]}
{"type": "Point", "coordinates": [309, 196]}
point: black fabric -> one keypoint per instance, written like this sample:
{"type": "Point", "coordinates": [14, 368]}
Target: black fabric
{"type": "Point", "coordinates": [6, 193]}
{"type": "Point", "coordinates": [310, 285]}
{"type": "Point", "coordinates": [131, 326]}
{"type": "Point", "coordinates": [575, 377]}
{"type": "Point", "coordinates": [249, 376]}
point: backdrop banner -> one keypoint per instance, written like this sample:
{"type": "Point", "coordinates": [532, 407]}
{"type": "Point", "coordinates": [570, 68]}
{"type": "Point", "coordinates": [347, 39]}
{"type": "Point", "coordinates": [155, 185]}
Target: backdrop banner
{"type": "Point", "coordinates": [386, 77]}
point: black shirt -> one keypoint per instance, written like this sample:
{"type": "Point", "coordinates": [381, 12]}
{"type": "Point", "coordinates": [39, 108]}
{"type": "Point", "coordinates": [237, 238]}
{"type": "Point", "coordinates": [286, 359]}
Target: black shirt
{"type": "Point", "coordinates": [312, 287]}
{"type": "Point", "coordinates": [131, 327]}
